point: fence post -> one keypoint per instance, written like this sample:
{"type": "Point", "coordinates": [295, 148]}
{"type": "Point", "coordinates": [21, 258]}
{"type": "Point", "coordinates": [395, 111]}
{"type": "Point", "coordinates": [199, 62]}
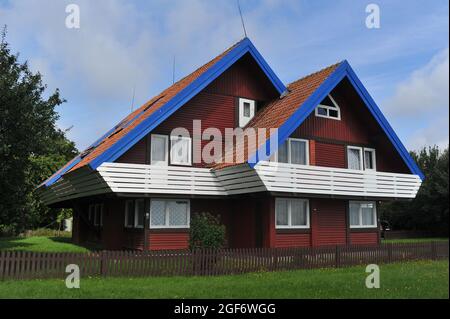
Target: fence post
{"type": "Point", "coordinates": [389, 252]}
{"type": "Point", "coordinates": [103, 263]}
{"type": "Point", "coordinates": [433, 250]}
{"type": "Point", "coordinates": [337, 257]}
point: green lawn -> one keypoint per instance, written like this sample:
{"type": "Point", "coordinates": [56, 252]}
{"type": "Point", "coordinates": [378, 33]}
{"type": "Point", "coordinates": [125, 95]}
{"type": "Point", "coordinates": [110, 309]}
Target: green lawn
{"type": "Point", "coordinates": [40, 243]}
{"type": "Point", "coordinates": [412, 240]}
{"type": "Point", "coordinates": [423, 279]}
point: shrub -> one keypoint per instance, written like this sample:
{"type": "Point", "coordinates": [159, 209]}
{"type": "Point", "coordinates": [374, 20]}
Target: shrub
{"type": "Point", "coordinates": [206, 232]}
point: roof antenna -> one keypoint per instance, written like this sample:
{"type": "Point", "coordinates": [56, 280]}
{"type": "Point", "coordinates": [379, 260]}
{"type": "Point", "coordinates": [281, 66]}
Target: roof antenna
{"type": "Point", "coordinates": [242, 18]}
{"type": "Point", "coordinates": [132, 99]}
{"type": "Point", "coordinates": [173, 70]}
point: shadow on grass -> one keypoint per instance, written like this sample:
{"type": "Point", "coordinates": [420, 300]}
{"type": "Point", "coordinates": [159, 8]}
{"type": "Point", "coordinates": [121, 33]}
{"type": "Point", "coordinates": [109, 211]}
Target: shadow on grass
{"type": "Point", "coordinates": [14, 244]}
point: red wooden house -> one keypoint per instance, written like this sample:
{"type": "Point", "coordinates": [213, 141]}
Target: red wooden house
{"type": "Point", "coordinates": [317, 181]}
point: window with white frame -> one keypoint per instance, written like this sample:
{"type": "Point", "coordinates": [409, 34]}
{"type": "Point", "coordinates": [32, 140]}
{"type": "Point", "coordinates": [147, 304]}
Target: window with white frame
{"type": "Point", "coordinates": [370, 161]}
{"type": "Point", "coordinates": [134, 213]}
{"type": "Point", "coordinates": [98, 214]}
{"type": "Point", "coordinates": [159, 149]}
{"type": "Point", "coordinates": [354, 157]}
{"type": "Point", "coordinates": [293, 151]}
{"type": "Point", "coordinates": [328, 109]}
{"type": "Point", "coordinates": [362, 214]}
{"type": "Point", "coordinates": [180, 150]}
{"type": "Point", "coordinates": [291, 213]}
{"type": "Point", "coordinates": [360, 158]}
{"type": "Point", "coordinates": [169, 213]}
{"type": "Point", "coordinates": [247, 109]}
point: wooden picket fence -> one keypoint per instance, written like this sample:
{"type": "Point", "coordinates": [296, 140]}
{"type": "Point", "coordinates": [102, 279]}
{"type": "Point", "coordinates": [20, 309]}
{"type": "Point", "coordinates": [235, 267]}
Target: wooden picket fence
{"type": "Point", "coordinates": [208, 262]}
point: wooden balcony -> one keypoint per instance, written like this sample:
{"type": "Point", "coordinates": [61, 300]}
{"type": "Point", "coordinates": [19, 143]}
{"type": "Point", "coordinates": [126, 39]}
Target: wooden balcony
{"type": "Point", "coordinates": [305, 179]}
{"type": "Point", "coordinates": [140, 178]}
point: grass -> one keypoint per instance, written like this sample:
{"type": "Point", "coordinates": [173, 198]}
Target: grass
{"type": "Point", "coordinates": [40, 244]}
{"type": "Point", "coordinates": [412, 240]}
{"type": "Point", "coordinates": [421, 279]}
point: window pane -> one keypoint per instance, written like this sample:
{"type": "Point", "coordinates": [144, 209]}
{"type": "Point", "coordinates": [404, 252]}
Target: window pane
{"type": "Point", "coordinates": [140, 211]}
{"type": "Point", "coordinates": [246, 109]}
{"type": "Point", "coordinates": [368, 218]}
{"type": "Point", "coordinates": [180, 151]}
{"type": "Point", "coordinates": [354, 214]}
{"type": "Point", "coordinates": [283, 153]}
{"type": "Point", "coordinates": [178, 212]}
{"type": "Point", "coordinates": [298, 152]}
{"type": "Point", "coordinates": [97, 214]}
{"type": "Point", "coordinates": [298, 213]}
{"type": "Point", "coordinates": [333, 113]}
{"type": "Point", "coordinates": [368, 160]}
{"type": "Point", "coordinates": [158, 213]}
{"type": "Point", "coordinates": [158, 149]}
{"type": "Point", "coordinates": [129, 210]}
{"type": "Point", "coordinates": [354, 161]}
{"type": "Point", "coordinates": [281, 211]}
{"type": "Point", "coordinates": [322, 111]}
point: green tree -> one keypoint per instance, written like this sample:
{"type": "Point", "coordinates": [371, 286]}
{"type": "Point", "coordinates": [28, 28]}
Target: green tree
{"type": "Point", "coordinates": [430, 209]}
{"type": "Point", "coordinates": [31, 146]}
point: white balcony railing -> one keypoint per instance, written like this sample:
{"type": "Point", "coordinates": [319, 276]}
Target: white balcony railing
{"type": "Point", "coordinates": [140, 178]}
{"type": "Point", "coordinates": [280, 177]}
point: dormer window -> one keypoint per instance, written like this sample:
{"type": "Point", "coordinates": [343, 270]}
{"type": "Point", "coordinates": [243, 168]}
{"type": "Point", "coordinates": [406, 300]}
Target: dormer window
{"type": "Point", "coordinates": [246, 111]}
{"type": "Point", "coordinates": [328, 109]}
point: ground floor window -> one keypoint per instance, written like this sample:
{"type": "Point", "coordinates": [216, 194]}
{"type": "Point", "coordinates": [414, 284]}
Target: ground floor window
{"type": "Point", "coordinates": [169, 213]}
{"type": "Point", "coordinates": [134, 213]}
{"type": "Point", "coordinates": [291, 213]}
{"type": "Point", "coordinates": [363, 214]}
{"type": "Point", "coordinates": [95, 215]}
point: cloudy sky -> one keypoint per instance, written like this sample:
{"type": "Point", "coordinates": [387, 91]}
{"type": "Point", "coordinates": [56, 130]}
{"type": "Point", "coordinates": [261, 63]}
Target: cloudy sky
{"type": "Point", "coordinates": [122, 45]}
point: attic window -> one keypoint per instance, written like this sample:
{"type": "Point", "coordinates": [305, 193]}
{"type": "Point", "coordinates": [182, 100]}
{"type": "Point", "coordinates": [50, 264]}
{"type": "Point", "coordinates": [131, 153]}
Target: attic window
{"type": "Point", "coordinates": [328, 109]}
{"type": "Point", "coordinates": [246, 111]}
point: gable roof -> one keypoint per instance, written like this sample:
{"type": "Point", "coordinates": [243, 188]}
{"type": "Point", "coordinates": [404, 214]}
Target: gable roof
{"type": "Point", "coordinates": [140, 122]}
{"type": "Point", "coordinates": [303, 96]}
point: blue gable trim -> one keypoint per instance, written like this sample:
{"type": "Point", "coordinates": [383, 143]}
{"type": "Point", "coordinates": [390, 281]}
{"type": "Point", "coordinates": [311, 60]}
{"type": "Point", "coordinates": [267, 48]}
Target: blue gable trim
{"type": "Point", "coordinates": [243, 47]}
{"type": "Point", "coordinates": [58, 175]}
{"type": "Point", "coordinates": [343, 70]}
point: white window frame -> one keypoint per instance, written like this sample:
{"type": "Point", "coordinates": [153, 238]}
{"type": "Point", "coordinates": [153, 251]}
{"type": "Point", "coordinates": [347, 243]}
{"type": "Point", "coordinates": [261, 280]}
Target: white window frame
{"type": "Point", "coordinates": [374, 158]}
{"type": "Point", "coordinates": [275, 156]}
{"type": "Point", "coordinates": [127, 213]}
{"type": "Point", "coordinates": [289, 225]}
{"type": "Point", "coordinates": [328, 108]}
{"type": "Point", "coordinates": [167, 225]}
{"type": "Point", "coordinates": [173, 138]}
{"type": "Point", "coordinates": [360, 225]}
{"type": "Point", "coordinates": [361, 157]}
{"type": "Point", "coordinates": [243, 121]}
{"type": "Point", "coordinates": [166, 155]}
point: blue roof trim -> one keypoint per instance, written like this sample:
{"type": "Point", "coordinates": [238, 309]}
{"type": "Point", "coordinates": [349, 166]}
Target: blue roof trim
{"type": "Point", "coordinates": [53, 179]}
{"type": "Point", "coordinates": [343, 70]}
{"type": "Point", "coordinates": [132, 137]}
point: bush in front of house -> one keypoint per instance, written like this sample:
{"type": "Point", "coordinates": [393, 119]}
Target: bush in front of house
{"type": "Point", "coordinates": [206, 231]}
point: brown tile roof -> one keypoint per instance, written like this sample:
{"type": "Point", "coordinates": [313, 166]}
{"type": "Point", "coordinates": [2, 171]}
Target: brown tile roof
{"type": "Point", "coordinates": [278, 111]}
{"type": "Point", "coordinates": [142, 113]}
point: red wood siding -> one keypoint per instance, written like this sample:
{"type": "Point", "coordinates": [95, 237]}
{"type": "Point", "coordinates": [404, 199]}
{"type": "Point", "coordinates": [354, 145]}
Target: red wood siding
{"type": "Point", "coordinates": [330, 155]}
{"type": "Point", "coordinates": [292, 240]}
{"type": "Point", "coordinates": [244, 79]}
{"type": "Point", "coordinates": [330, 227]}
{"type": "Point", "coordinates": [356, 127]}
{"type": "Point", "coordinates": [168, 240]}
{"type": "Point", "coordinates": [135, 155]}
{"type": "Point", "coordinates": [364, 238]}
{"type": "Point", "coordinates": [215, 106]}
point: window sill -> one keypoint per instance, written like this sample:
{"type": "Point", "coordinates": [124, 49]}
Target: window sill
{"type": "Point", "coordinates": [364, 228]}
{"type": "Point", "coordinates": [293, 230]}
{"type": "Point", "coordinates": [170, 230]}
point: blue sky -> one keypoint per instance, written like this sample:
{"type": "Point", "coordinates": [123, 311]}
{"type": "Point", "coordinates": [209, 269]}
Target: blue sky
{"type": "Point", "coordinates": [124, 44]}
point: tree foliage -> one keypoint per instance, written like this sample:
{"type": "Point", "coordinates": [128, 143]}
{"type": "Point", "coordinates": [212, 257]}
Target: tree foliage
{"type": "Point", "coordinates": [206, 232]}
{"type": "Point", "coordinates": [429, 210]}
{"type": "Point", "coordinates": [31, 146]}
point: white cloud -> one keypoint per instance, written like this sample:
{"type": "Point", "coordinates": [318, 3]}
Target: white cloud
{"type": "Point", "coordinates": [426, 90]}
